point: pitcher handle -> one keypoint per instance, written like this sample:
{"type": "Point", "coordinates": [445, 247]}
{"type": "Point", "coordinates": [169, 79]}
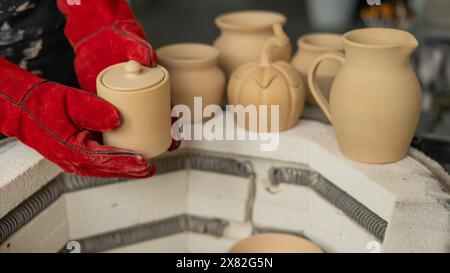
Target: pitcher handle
{"type": "Point", "coordinates": [314, 87]}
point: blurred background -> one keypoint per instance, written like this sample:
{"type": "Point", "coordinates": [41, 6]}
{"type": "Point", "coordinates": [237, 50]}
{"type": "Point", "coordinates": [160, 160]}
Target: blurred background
{"type": "Point", "coordinates": [175, 21]}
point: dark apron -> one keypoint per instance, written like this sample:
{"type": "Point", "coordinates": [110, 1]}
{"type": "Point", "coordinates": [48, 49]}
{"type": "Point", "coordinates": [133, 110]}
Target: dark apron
{"type": "Point", "coordinates": [32, 36]}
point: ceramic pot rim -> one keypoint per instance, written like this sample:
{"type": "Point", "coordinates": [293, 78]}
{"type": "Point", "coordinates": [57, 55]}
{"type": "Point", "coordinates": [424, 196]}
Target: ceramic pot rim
{"type": "Point", "coordinates": [291, 241]}
{"type": "Point", "coordinates": [407, 38]}
{"type": "Point", "coordinates": [224, 21]}
{"type": "Point", "coordinates": [156, 87]}
{"type": "Point", "coordinates": [188, 54]}
{"type": "Point", "coordinates": [332, 37]}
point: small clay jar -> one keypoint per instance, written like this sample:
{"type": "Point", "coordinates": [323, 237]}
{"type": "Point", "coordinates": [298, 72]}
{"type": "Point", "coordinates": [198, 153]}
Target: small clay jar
{"type": "Point", "coordinates": [195, 72]}
{"type": "Point", "coordinates": [311, 47]}
{"type": "Point", "coordinates": [243, 36]}
{"type": "Point", "coordinates": [275, 243]}
{"type": "Point", "coordinates": [269, 83]}
{"type": "Point", "coordinates": [142, 96]}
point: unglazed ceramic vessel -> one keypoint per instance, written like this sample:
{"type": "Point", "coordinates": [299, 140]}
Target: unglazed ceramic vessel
{"type": "Point", "coordinates": [275, 243]}
{"type": "Point", "coordinates": [243, 35]}
{"type": "Point", "coordinates": [312, 46]}
{"type": "Point", "coordinates": [142, 96]}
{"type": "Point", "coordinates": [195, 72]}
{"type": "Point", "coordinates": [375, 101]}
{"type": "Point", "coordinates": [270, 83]}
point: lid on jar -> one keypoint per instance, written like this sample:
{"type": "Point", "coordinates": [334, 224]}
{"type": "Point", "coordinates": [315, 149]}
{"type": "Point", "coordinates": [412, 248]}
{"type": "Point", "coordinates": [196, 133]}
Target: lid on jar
{"type": "Point", "coordinates": [132, 76]}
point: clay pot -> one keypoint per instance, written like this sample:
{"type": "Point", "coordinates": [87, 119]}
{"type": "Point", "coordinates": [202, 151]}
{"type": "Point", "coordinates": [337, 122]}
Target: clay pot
{"type": "Point", "coordinates": [142, 95]}
{"type": "Point", "coordinates": [243, 35]}
{"type": "Point", "coordinates": [195, 72]}
{"type": "Point", "coordinates": [275, 243]}
{"type": "Point", "coordinates": [312, 46]}
{"type": "Point", "coordinates": [270, 83]}
{"type": "Point", "coordinates": [375, 101]}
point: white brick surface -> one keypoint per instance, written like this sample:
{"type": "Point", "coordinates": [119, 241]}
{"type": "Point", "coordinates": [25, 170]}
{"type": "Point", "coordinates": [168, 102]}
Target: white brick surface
{"type": "Point", "coordinates": [165, 198]}
{"type": "Point", "coordinates": [180, 243]}
{"type": "Point", "coordinates": [218, 185]}
{"type": "Point", "coordinates": [122, 205]}
{"type": "Point", "coordinates": [238, 231]}
{"type": "Point", "coordinates": [56, 240]}
{"type": "Point", "coordinates": [214, 207]}
{"type": "Point", "coordinates": [314, 144]}
{"type": "Point", "coordinates": [217, 195]}
{"type": "Point", "coordinates": [288, 196]}
{"type": "Point", "coordinates": [278, 217]}
{"type": "Point", "coordinates": [332, 229]}
{"type": "Point", "coordinates": [199, 243]}
{"type": "Point", "coordinates": [23, 172]}
{"type": "Point", "coordinates": [425, 220]}
{"type": "Point", "coordinates": [406, 194]}
{"type": "Point", "coordinates": [172, 244]}
{"type": "Point", "coordinates": [47, 232]}
{"type": "Point", "coordinates": [381, 188]}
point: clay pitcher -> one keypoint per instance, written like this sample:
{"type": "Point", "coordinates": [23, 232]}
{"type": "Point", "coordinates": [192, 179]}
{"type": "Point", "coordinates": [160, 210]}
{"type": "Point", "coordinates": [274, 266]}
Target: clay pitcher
{"type": "Point", "coordinates": [243, 36]}
{"type": "Point", "coordinates": [375, 100]}
{"type": "Point", "coordinates": [311, 47]}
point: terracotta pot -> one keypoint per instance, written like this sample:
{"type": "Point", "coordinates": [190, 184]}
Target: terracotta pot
{"type": "Point", "coordinates": [312, 46]}
{"type": "Point", "coordinates": [243, 35]}
{"type": "Point", "coordinates": [195, 72]}
{"type": "Point", "coordinates": [270, 83]}
{"type": "Point", "coordinates": [275, 243]}
{"type": "Point", "coordinates": [375, 101]}
{"type": "Point", "coordinates": [142, 95]}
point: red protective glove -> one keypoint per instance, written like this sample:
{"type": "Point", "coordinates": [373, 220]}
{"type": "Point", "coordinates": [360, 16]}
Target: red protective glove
{"type": "Point", "coordinates": [55, 119]}
{"type": "Point", "coordinates": [104, 33]}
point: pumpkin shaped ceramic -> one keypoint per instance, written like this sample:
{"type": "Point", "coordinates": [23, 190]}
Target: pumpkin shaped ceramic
{"type": "Point", "coordinates": [270, 83]}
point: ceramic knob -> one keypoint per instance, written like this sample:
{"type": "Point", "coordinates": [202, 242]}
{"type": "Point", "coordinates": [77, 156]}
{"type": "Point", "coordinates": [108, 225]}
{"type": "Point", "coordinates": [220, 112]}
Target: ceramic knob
{"type": "Point", "coordinates": [133, 68]}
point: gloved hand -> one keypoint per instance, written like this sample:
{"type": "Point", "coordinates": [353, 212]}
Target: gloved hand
{"type": "Point", "coordinates": [104, 33]}
{"type": "Point", "coordinates": [56, 121]}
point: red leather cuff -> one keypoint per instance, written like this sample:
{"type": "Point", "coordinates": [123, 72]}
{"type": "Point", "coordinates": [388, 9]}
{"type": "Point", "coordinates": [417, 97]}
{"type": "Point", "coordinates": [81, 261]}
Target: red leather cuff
{"type": "Point", "coordinates": [15, 84]}
{"type": "Point", "coordinates": [91, 16]}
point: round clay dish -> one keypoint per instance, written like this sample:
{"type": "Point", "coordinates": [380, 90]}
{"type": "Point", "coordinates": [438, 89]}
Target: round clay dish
{"type": "Point", "coordinates": [275, 243]}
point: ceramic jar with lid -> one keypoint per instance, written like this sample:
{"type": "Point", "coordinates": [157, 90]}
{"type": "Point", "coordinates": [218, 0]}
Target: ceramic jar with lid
{"type": "Point", "coordinates": [142, 96]}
